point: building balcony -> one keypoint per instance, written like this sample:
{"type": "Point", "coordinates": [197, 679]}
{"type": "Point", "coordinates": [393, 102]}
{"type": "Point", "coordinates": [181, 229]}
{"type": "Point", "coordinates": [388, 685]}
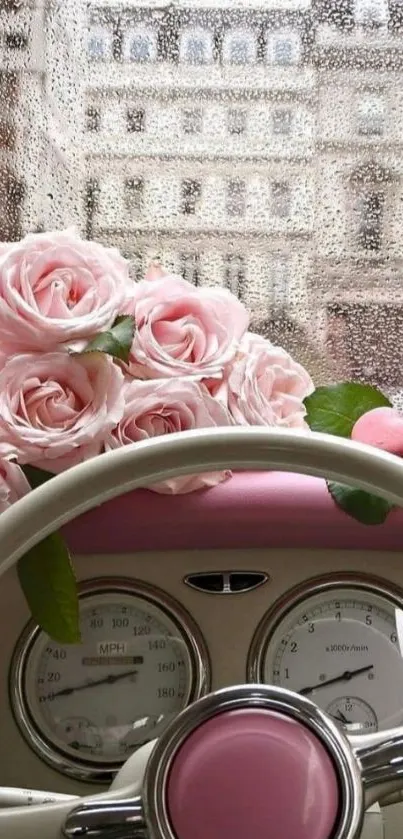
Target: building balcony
{"type": "Point", "coordinates": [358, 143]}
{"type": "Point", "coordinates": [254, 80]}
{"type": "Point", "coordinates": [200, 228]}
{"type": "Point", "coordinates": [357, 278]}
{"type": "Point", "coordinates": [379, 38]}
{"type": "Point", "coordinates": [265, 5]}
{"type": "Point", "coordinates": [210, 149]}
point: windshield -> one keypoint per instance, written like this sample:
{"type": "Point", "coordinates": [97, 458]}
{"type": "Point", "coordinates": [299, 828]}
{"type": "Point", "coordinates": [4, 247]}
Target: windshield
{"type": "Point", "coordinates": [251, 144]}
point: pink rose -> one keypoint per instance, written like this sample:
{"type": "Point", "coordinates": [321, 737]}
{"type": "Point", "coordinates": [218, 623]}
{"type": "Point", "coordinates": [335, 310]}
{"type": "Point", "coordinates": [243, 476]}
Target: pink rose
{"type": "Point", "coordinates": [153, 408]}
{"type": "Point", "coordinates": [265, 386]}
{"type": "Point", "coordinates": [13, 484]}
{"type": "Point", "coordinates": [182, 330]}
{"type": "Point", "coordinates": [57, 288]}
{"type": "Point", "coordinates": [56, 408]}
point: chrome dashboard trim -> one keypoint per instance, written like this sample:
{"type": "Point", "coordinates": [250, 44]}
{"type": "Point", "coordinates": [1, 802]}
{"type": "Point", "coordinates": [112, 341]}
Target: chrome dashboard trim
{"type": "Point", "coordinates": [82, 769]}
{"type": "Point", "coordinates": [107, 820]}
{"type": "Point", "coordinates": [202, 581]}
{"type": "Point", "coordinates": [380, 756]}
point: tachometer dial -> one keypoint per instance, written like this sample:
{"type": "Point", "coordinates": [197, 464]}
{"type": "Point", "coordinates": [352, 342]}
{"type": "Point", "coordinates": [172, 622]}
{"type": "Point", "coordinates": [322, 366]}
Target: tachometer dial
{"type": "Point", "coordinates": [336, 642]}
{"type": "Point", "coordinates": [87, 707]}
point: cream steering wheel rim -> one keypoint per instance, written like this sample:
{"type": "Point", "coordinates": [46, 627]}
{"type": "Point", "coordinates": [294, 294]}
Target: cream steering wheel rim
{"type": "Point", "coordinates": [139, 465]}
{"type": "Point", "coordinates": [142, 464]}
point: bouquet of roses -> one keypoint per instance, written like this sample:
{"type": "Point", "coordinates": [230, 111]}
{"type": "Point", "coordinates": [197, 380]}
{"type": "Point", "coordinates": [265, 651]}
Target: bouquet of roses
{"type": "Point", "coordinates": [90, 360]}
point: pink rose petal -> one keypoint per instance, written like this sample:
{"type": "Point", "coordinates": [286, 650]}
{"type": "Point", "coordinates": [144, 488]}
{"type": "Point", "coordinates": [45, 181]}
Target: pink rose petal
{"type": "Point", "coordinates": [56, 409]}
{"type": "Point", "coordinates": [264, 386]}
{"type": "Point", "coordinates": [13, 484]}
{"type": "Point", "coordinates": [56, 288]}
{"type": "Point", "coordinates": [166, 406]}
{"type": "Point", "coordinates": [182, 330]}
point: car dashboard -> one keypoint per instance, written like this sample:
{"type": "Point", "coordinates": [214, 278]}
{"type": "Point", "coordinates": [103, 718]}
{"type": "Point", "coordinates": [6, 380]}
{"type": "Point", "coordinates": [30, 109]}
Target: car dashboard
{"type": "Point", "coordinates": [258, 580]}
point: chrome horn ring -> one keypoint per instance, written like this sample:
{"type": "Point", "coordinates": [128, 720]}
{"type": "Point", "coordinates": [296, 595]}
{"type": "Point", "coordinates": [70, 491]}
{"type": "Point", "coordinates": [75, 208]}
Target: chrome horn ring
{"type": "Point", "coordinates": [148, 816]}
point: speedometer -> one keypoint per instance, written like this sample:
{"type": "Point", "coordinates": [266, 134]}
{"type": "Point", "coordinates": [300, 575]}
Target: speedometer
{"type": "Point", "coordinates": [85, 708]}
{"type": "Point", "coordinates": [336, 641]}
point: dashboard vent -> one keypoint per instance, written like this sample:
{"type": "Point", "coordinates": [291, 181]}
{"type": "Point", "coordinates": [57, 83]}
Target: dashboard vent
{"type": "Point", "coordinates": [226, 582]}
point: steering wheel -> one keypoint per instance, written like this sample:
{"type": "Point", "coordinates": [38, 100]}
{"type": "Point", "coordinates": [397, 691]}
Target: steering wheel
{"type": "Point", "coordinates": [251, 761]}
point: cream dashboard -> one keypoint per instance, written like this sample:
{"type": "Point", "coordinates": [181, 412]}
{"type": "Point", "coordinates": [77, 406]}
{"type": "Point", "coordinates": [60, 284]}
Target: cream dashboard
{"type": "Point", "coordinates": [161, 628]}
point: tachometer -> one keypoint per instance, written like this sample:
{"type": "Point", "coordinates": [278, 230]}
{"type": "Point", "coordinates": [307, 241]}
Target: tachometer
{"type": "Point", "coordinates": [336, 641]}
{"type": "Point", "coordinates": [85, 708]}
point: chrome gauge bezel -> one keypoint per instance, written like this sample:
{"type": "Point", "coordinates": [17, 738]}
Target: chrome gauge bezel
{"type": "Point", "coordinates": [80, 768]}
{"type": "Point", "coordinates": [300, 594]}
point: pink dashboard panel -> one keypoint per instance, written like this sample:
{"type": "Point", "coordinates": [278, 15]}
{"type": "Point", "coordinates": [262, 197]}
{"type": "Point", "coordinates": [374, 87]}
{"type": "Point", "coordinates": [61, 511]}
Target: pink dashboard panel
{"type": "Point", "coordinates": [251, 510]}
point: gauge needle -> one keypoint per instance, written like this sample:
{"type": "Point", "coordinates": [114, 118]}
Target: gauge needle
{"type": "Point", "coordinates": [345, 677]}
{"type": "Point", "coordinates": [340, 716]}
{"type": "Point", "coordinates": [108, 680]}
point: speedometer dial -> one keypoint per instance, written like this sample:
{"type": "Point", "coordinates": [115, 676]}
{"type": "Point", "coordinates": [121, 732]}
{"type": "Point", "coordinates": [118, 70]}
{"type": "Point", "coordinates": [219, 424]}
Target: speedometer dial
{"type": "Point", "coordinates": [87, 707]}
{"type": "Point", "coordinates": [336, 641]}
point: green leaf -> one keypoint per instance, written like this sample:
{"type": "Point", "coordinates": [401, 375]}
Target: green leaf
{"type": "Point", "coordinates": [335, 409]}
{"type": "Point", "coordinates": [116, 341]}
{"type": "Point", "coordinates": [36, 477]}
{"type": "Point", "coordinates": [47, 579]}
{"type": "Point", "coordinates": [360, 505]}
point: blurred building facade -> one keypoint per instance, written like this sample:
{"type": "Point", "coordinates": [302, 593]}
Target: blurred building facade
{"type": "Point", "coordinates": [205, 113]}
{"type": "Point", "coordinates": [357, 274]}
{"type": "Point", "coordinates": [254, 144]}
{"type": "Point", "coordinates": [42, 70]}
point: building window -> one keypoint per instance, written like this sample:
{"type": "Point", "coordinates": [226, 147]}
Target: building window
{"type": "Point", "coordinates": [280, 284]}
{"type": "Point", "coordinates": [192, 121]}
{"type": "Point", "coordinates": [284, 48]}
{"type": "Point", "coordinates": [240, 47]}
{"type": "Point", "coordinates": [11, 5]}
{"type": "Point", "coordinates": [281, 199]}
{"type": "Point", "coordinates": [191, 196]}
{"type": "Point", "coordinates": [370, 208]}
{"type": "Point", "coordinates": [140, 46]}
{"type": "Point", "coordinates": [235, 273]}
{"type": "Point", "coordinates": [236, 121]}
{"type": "Point", "coordinates": [196, 46]}
{"type": "Point", "coordinates": [7, 135]}
{"type": "Point", "coordinates": [9, 88]}
{"type": "Point", "coordinates": [190, 267]}
{"type": "Point", "coordinates": [236, 198]}
{"type": "Point", "coordinates": [371, 116]}
{"type": "Point", "coordinates": [371, 13]}
{"type": "Point", "coordinates": [91, 205]}
{"type": "Point", "coordinates": [282, 121]}
{"type": "Point", "coordinates": [135, 120]}
{"type": "Point", "coordinates": [16, 40]}
{"type": "Point", "coordinates": [283, 52]}
{"type": "Point", "coordinates": [134, 195]}
{"type": "Point", "coordinates": [92, 195]}
{"type": "Point", "coordinates": [93, 119]}
{"type": "Point", "coordinates": [99, 45]}
{"type": "Point", "coordinates": [136, 266]}
{"type": "Point", "coordinates": [12, 200]}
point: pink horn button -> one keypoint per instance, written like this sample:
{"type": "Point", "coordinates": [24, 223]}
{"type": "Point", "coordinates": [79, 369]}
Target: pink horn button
{"type": "Point", "coordinates": [252, 774]}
